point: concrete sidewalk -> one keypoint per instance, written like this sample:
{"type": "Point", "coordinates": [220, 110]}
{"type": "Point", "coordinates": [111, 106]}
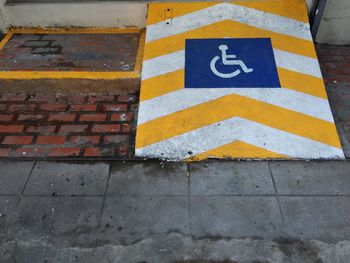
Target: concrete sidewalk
{"type": "Point", "coordinates": [146, 211]}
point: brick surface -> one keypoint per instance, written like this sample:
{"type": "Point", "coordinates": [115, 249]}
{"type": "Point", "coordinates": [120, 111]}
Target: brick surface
{"type": "Point", "coordinates": [104, 128]}
{"type": "Point", "coordinates": [53, 107]}
{"type": "Point", "coordinates": [42, 129]}
{"type": "Point", "coordinates": [114, 107]}
{"type": "Point", "coordinates": [83, 107]}
{"type": "Point", "coordinates": [68, 126]}
{"type": "Point", "coordinates": [63, 152]}
{"type": "Point", "coordinates": [6, 117]}
{"type": "Point", "coordinates": [51, 140]}
{"type": "Point", "coordinates": [11, 128]}
{"type": "Point", "coordinates": [30, 117]}
{"type": "Point", "coordinates": [73, 128]}
{"type": "Point", "coordinates": [70, 52]}
{"type": "Point", "coordinates": [122, 116]}
{"type": "Point", "coordinates": [84, 140]}
{"type": "Point", "coordinates": [18, 140]}
{"type": "Point", "coordinates": [335, 62]}
{"type": "Point", "coordinates": [62, 117]}
{"type": "Point", "coordinates": [93, 117]}
{"type": "Point", "coordinates": [13, 97]}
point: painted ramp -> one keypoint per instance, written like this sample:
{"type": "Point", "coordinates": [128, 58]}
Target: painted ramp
{"type": "Point", "coordinates": [233, 80]}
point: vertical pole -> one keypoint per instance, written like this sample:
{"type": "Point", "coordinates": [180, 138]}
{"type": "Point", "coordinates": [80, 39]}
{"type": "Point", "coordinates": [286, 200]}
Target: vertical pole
{"type": "Point", "coordinates": [316, 16]}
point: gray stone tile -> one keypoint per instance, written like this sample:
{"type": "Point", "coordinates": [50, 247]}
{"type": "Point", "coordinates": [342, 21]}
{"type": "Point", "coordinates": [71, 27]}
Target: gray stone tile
{"type": "Point", "coordinates": [233, 216]}
{"type": "Point", "coordinates": [7, 207]}
{"type": "Point", "coordinates": [13, 176]}
{"type": "Point", "coordinates": [53, 216]}
{"type": "Point", "coordinates": [325, 218]}
{"type": "Point", "coordinates": [312, 178]}
{"type": "Point", "coordinates": [148, 178]}
{"type": "Point", "coordinates": [225, 178]}
{"type": "Point", "coordinates": [344, 135]}
{"type": "Point", "coordinates": [128, 219]}
{"type": "Point", "coordinates": [50, 178]}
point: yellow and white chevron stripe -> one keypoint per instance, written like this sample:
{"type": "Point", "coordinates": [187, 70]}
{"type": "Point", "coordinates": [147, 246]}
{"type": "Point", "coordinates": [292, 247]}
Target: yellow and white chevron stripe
{"type": "Point", "coordinates": [175, 123]}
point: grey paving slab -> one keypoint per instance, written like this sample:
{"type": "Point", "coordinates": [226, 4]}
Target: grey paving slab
{"type": "Point", "coordinates": [50, 178]}
{"type": "Point", "coordinates": [7, 207]}
{"type": "Point", "coordinates": [148, 178]}
{"type": "Point", "coordinates": [225, 178]}
{"type": "Point", "coordinates": [128, 219]}
{"type": "Point", "coordinates": [324, 218]}
{"type": "Point", "coordinates": [233, 216]}
{"type": "Point", "coordinates": [57, 215]}
{"type": "Point", "coordinates": [13, 176]}
{"type": "Point", "coordinates": [312, 178]}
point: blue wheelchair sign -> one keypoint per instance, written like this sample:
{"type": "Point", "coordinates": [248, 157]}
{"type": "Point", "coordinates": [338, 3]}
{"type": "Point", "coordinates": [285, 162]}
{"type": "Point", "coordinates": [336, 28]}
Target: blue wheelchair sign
{"type": "Point", "coordinates": [230, 63]}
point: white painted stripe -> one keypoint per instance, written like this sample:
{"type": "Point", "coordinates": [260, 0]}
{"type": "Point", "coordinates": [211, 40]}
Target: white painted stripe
{"type": "Point", "coordinates": [233, 129]}
{"type": "Point", "coordinates": [298, 63]}
{"type": "Point", "coordinates": [174, 61]}
{"type": "Point", "coordinates": [163, 64]}
{"type": "Point", "coordinates": [226, 11]}
{"type": "Point", "coordinates": [186, 98]}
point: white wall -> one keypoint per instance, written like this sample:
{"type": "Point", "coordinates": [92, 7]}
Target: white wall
{"type": "Point", "coordinates": [335, 25]}
{"type": "Point", "coordinates": [86, 14]}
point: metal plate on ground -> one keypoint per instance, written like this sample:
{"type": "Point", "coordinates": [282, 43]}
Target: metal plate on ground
{"type": "Point", "coordinates": [233, 80]}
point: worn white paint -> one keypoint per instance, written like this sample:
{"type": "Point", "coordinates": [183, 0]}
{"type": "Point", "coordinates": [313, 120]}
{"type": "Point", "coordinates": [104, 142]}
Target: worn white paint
{"type": "Point", "coordinates": [186, 98]}
{"type": "Point", "coordinates": [176, 60]}
{"type": "Point", "coordinates": [221, 12]}
{"type": "Point", "coordinates": [233, 129]}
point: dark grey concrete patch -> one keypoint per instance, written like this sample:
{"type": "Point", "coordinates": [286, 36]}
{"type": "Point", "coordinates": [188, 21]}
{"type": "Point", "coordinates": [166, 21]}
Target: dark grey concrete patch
{"type": "Point", "coordinates": [7, 207]}
{"type": "Point", "coordinates": [324, 218]}
{"type": "Point", "coordinates": [344, 138]}
{"type": "Point", "coordinates": [128, 219]}
{"type": "Point", "coordinates": [233, 216]}
{"type": "Point", "coordinates": [225, 178]}
{"type": "Point", "coordinates": [52, 216]}
{"type": "Point", "coordinates": [148, 178]}
{"type": "Point", "coordinates": [50, 178]}
{"type": "Point", "coordinates": [13, 176]}
{"type": "Point", "coordinates": [312, 178]}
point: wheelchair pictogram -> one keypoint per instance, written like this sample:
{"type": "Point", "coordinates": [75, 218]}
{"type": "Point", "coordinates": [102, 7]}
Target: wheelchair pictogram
{"type": "Point", "coordinates": [228, 60]}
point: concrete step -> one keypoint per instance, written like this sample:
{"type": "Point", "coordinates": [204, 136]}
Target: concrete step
{"type": "Point", "coordinates": [84, 61]}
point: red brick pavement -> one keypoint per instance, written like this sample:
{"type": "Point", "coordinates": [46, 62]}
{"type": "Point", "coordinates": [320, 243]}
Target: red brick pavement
{"type": "Point", "coordinates": [335, 65]}
{"type": "Point", "coordinates": [74, 126]}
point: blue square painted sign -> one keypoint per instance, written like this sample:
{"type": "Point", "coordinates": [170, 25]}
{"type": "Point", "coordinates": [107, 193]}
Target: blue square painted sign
{"type": "Point", "coordinates": [230, 63]}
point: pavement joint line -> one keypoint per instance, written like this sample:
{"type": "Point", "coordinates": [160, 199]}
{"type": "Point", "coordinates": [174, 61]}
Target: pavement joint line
{"type": "Point", "coordinates": [189, 208]}
{"type": "Point", "coordinates": [276, 193]}
{"type": "Point", "coordinates": [181, 195]}
{"type": "Point", "coordinates": [25, 184]}
{"type": "Point", "coordinates": [105, 194]}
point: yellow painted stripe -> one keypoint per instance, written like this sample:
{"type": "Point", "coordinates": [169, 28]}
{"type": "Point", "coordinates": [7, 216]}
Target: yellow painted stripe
{"type": "Point", "coordinates": [295, 9]}
{"type": "Point", "coordinates": [67, 75]}
{"type": "Point", "coordinates": [163, 84]}
{"type": "Point", "coordinates": [158, 12]}
{"type": "Point", "coordinates": [5, 39]}
{"type": "Point", "coordinates": [232, 29]}
{"type": "Point", "coordinates": [237, 149]}
{"type": "Point", "coordinates": [302, 83]}
{"type": "Point", "coordinates": [85, 30]}
{"type": "Point", "coordinates": [288, 8]}
{"type": "Point", "coordinates": [234, 105]}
